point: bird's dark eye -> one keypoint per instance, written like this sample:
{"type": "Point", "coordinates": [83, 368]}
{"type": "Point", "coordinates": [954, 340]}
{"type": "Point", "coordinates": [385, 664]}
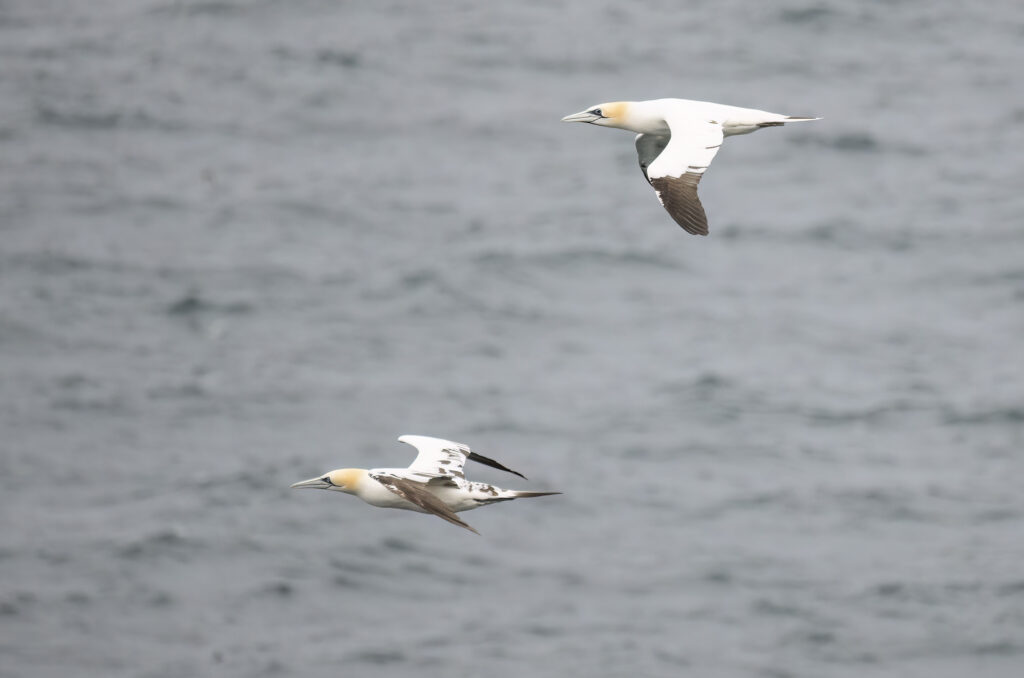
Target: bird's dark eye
{"type": "Point", "coordinates": [597, 111]}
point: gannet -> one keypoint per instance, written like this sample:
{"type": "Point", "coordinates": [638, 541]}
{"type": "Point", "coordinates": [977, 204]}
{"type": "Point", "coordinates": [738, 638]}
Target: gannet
{"type": "Point", "coordinates": [433, 483]}
{"type": "Point", "coordinates": [677, 140]}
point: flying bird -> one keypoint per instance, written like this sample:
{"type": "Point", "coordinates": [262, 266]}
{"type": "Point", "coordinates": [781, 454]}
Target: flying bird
{"type": "Point", "coordinates": [433, 483]}
{"type": "Point", "coordinates": [677, 140]}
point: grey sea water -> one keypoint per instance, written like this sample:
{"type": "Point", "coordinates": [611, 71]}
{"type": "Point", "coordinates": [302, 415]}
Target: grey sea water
{"type": "Point", "coordinates": [242, 243]}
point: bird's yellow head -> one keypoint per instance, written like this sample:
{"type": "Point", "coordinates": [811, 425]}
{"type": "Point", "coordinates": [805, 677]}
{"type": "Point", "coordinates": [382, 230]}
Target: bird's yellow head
{"type": "Point", "coordinates": [612, 114]}
{"type": "Point", "coordinates": [340, 480]}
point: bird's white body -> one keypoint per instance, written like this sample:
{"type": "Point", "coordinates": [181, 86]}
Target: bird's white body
{"type": "Point", "coordinates": [651, 117]}
{"type": "Point", "coordinates": [464, 496]}
{"type": "Point", "coordinates": [676, 141]}
{"type": "Point", "coordinates": [433, 483]}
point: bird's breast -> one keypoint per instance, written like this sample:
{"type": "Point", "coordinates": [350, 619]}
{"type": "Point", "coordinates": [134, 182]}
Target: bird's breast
{"type": "Point", "coordinates": [375, 494]}
{"type": "Point", "coordinates": [646, 125]}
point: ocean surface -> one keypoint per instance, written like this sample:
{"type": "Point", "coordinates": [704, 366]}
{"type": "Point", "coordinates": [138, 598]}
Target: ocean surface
{"type": "Point", "coordinates": [243, 243]}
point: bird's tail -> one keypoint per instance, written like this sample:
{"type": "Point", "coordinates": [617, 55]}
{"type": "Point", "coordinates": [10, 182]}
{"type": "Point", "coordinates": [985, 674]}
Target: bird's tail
{"type": "Point", "coordinates": [757, 120]}
{"type": "Point", "coordinates": [522, 494]}
{"type": "Point", "coordinates": [784, 119]}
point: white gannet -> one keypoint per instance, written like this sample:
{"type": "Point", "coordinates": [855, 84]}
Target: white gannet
{"type": "Point", "coordinates": [677, 140]}
{"type": "Point", "coordinates": [433, 483]}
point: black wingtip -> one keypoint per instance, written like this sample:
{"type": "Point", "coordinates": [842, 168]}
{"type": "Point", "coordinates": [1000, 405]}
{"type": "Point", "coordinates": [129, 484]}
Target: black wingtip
{"type": "Point", "coordinates": [487, 461]}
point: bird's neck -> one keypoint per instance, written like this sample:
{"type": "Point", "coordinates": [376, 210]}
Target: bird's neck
{"type": "Point", "coordinates": [641, 117]}
{"type": "Point", "coordinates": [353, 480]}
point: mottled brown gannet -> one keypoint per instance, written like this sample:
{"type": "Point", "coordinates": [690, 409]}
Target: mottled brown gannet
{"type": "Point", "coordinates": [677, 140]}
{"type": "Point", "coordinates": [433, 483]}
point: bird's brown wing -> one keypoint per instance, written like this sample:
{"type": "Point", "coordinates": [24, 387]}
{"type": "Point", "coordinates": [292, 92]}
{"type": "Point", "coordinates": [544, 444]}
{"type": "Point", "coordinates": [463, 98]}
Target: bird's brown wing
{"type": "Point", "coordinates": [678, 195]}
{"type": "Point", "coordinates": [416, 493]}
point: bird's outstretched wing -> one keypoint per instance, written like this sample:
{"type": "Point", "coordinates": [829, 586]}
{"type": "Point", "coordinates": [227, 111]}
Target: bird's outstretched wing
{"type": "Point", "coordinates": [416, 493]}
{"type": "Point", "coordinates": [674, 164]}
{"type": "Point", "coordinates": [445, 457]}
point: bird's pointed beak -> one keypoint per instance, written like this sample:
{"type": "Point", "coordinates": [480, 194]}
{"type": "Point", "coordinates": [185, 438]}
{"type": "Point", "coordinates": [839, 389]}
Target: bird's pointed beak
{"type": "Point", "coordinates": [582, 116]}
{"type": "Point", "coordinates": [312, 483]}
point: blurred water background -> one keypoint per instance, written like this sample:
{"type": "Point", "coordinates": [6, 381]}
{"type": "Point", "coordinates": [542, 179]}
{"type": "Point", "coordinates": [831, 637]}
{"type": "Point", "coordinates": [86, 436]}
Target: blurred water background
{"type": "Point", "coordinates": [242, 243]}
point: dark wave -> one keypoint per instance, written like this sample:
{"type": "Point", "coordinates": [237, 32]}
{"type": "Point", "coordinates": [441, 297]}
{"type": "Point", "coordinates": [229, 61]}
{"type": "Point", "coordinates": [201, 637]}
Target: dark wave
{"type": "Point", "coordinates": [98, 120]}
